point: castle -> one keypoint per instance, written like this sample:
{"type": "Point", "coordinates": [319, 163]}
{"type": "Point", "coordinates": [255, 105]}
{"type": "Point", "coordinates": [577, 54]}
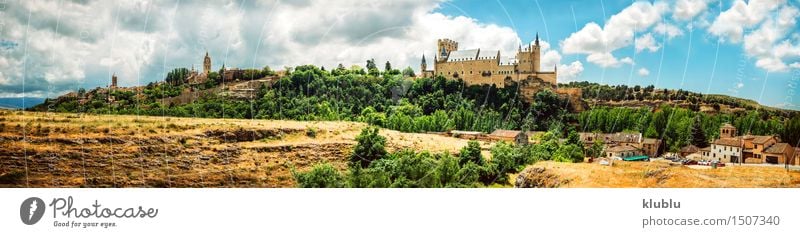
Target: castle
{"type": "Point", "coordinates": [486, 66]}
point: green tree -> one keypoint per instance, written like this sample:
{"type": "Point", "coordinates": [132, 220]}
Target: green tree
{"type": "Point", "coordinates": [791, 131]}
{"type": "Point", "coordinates": [370, 147]}
{"type": "Point", "coordinates": [698, 135]}
{"type": "Point", "coordinates": [471, 153]}
{"type": "Point", "coordinates": [596, 150]}
{"type": "Point", "coordinates": [568, 153]}
{"type": "Point", "coordinates": [408, 72]}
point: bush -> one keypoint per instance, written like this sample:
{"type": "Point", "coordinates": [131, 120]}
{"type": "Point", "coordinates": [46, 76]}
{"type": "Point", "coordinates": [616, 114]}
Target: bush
{"type": "Point", "coordinates": [320, 176]}
{"type": "Point", "coordinates": [311, 132]}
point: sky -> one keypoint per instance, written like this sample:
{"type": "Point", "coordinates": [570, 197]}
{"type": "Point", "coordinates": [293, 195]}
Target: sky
{"type": "Point", "coordinates": [748, 49]}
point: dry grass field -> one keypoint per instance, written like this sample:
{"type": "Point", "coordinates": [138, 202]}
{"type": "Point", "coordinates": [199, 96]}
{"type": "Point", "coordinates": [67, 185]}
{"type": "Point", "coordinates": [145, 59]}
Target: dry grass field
{"type": "Point", "coordinates": [658, 174]}
{"type": "Point", "coordinates": [71, 150]}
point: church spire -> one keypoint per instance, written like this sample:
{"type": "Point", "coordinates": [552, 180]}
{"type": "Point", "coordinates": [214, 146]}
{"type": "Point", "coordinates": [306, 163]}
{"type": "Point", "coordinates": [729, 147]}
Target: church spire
{"type": "Point", "coordinates": [537, 38]}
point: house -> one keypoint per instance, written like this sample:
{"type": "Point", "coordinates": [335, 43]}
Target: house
{"type": "Point", "coordinates": [688, 150]}
{"type": "Point", "coordinates": [796, 156]}
{"type": "Point", "coordinates": [623, 138]}
{"type": "Point", "coordinates": [650, 146]}
{"type": "Point", "coordinates": [588, 138]}
{"type": "Point", "coordinates": [517, 137]}
{"type": "Point", "coordinates": [705, 153]}
{"type": "Point", "coordinates": [759, 145]}
{"type": "Point", "coordinates": [779, 153]}
{"type": "Point", "coordinates": [622, 151]}
{"type": "Point", "coordinates": [728, 150]}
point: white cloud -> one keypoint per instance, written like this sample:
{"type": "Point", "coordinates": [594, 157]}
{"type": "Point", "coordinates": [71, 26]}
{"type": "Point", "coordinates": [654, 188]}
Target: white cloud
{"type": "Point", "coordinates": [97, 38]}
{"type": "Point", "coordinates": [687, 9]}
{"type": "Point", "coordinates": [626, 60]}
{"type": "Point", "coordinates": [598, 42]}
{"type": "Point", "coordinates": [646, 42]}
{"type": "Point", "coordinates": [669, 30]}
{"type": "Point", "coordinates": [570, 72]}
{"type": "Point", "coordinates": [763, 42]}
{"type": "Point", "coordinates": [771, 64]}
{"type": "Point", "coordinates": [603, 59]}
{"type": "Point", "coordinates": [552, 58]}
{"type": "Point", "coordinates": [795, 65]}
{"type": "Point", "coordinates": [731, 23]}
{"type": "Point", "coordinates": [643, 72]}
{"type": "Point", "coordinates": [739, 85]}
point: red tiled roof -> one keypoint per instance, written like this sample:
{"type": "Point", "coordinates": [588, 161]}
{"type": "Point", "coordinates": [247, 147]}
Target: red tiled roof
{"type": "Point", "coordinates": [761, 139]}
{"type": "Point", "coordinates": [505, 133]}
{"type": "Point", "coordinates": [690, 149]}
{"type": "Point", "coordinates": [778, 148]}
{"type": "Point", "coordinates": [728, 125]}
{"type": "Point", "coordinates": [735, 142]}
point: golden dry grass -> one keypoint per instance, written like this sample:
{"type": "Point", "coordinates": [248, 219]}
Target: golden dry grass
{"type": "Point", "coordinates": [70, 150]}
{"type": "Point", "coordinates": [663, 175]}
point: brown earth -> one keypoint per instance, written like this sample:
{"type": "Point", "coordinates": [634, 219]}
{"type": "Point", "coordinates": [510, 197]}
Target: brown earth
{"type": "Point", "coordinates": [71, 150]}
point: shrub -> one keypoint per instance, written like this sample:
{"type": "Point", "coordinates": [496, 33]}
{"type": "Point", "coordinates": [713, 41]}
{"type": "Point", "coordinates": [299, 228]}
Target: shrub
{"type": "Point", "coordinates": [320, 176]}
{"type": "Point", "coordinates": [311, 132]}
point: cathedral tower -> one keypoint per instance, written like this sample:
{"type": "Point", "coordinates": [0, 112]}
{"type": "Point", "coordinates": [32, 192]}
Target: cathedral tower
{"type": "Point", "coordinates": [206, 64]}
{"type": "Point", "coordinates": [113, 81]}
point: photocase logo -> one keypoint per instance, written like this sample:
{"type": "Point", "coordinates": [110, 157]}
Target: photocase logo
{"type": "Point", "coordinates": [31, 210]}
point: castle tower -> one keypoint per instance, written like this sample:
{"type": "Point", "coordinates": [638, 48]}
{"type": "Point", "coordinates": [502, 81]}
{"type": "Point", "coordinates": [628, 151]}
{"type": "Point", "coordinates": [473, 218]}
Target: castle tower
{"type": "Point", "coordinates": [444, 47]}
{"type": "Point", "coordinates": [424, 65]}
{"type": "Point", "coordinates": [727, 131]}
{"type": "Point", "coordinates": [206, 64]}
{"type": "Point", "coordinates": [113, 80]}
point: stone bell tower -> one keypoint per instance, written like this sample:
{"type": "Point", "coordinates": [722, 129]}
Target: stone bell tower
{"type": "Point", "coordinates": [206, 64]}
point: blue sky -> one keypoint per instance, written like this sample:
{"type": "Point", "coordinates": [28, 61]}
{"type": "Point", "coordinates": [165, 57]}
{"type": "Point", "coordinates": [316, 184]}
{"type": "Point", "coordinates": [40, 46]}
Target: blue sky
{"type": "Point", "coordinates": [48, 48]}
{"type": "Point", "coordinates": [688, 59]}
